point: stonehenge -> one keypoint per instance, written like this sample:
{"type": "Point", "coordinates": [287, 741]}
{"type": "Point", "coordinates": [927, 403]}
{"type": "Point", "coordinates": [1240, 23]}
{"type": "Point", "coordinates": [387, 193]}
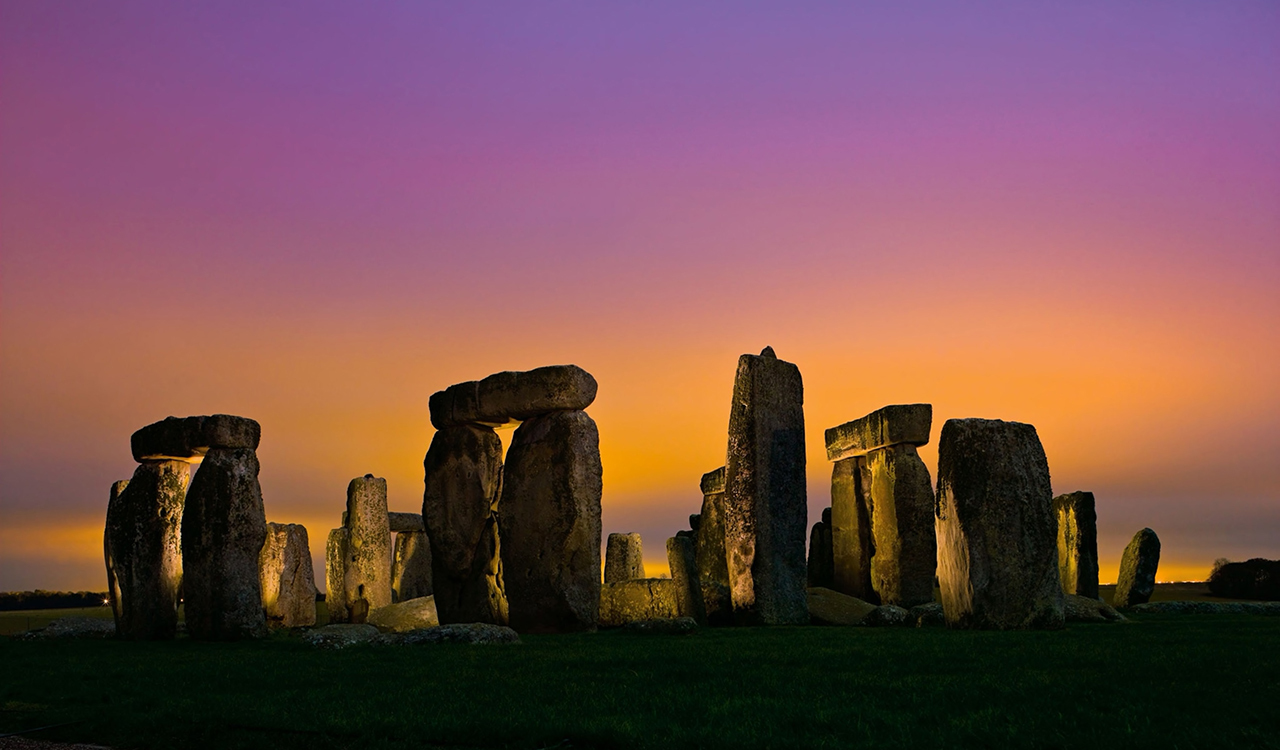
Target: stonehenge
{"type": "Point", "coordinates": [882, 506]}
{"type": "Point", "coordinates": [996, 531]}
{"type": "Point", "coordinates": [367, 573]}
{"type": "Point", "coordinates": [684, 572]}
{"type": "Point", "coordinates": [821, 561]}
{"type": "Point", "coordinates": [144, 550]}
{"type": "Point", "coordinates": [623, 558]}
{"type": "Point", "coordinates": [712, 563]}
{"type": "Point", "coordinates": [632, 601]}
{"type": "Point", "coordinates": [335, 570]}
{"type": "Point", "coordinates": [411, 564]}
{"type": "Point", "coordinates": [285, 575]}
{"type": "Point", "coordinates": [765, 493]}
{"type": "Point", "coordinates": [1077, 543]}
{"type": "Point", "coordinates": [1138, 567]}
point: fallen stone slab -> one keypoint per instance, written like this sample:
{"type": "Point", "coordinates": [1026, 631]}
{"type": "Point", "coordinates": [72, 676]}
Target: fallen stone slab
{"type": "Point", "coordinates": [513, 396]}
{"type": "Point", "coordinates": [285, 576]}
{"type": "Point", "coordinates": [72, 628]}
{"type": "Point", "coordinates": [928, 615]}
{"type": "Point", "coordinates": [900, 424]}
{"type": "Point", "coordinates": [332, 637]}
{"type": "Point", "coordinates": [1077, 543]}
{"type": "Point", "coordinates": [1138, 565]}
{"type": "Point", "coordinates": [662, 626]}
{"type": "Point", "coordinates": [827, 607]}
{"type": "Point", "coordinates": [1087, 609]}
{"type": "Point", "coordinates": [405, 616]}
{"type": "Point", "coordinates": [889, 616]}
{"type": "Point", "coordinates": [623, 558]}
{"type": "Point", "coordinates": [629, 601]}
{"type": "Point", "coordinates": [188, 438]}
{"type": "Point", "coordinates": [1207, 608]}
{"type": "Point", "coordinates": [473, 633]}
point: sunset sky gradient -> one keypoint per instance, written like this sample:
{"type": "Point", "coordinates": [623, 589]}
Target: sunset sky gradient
{"type": "Point", "coordinates": [317, 214]}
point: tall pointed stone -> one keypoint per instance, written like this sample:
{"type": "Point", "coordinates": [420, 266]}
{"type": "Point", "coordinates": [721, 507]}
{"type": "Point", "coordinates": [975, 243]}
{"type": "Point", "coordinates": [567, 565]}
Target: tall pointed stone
{"type": "Point", "coordinates": [623, 558]}
{"type": "Point", "coordinates": [905, 552]}
{"type": "Point", "coordinates": [713, 566]}
{"type": "Point", "coordinates": [286, 578]}
{"type": "Point", "coordinates": [463, 469]}
{"type": "Point", "coordinates": [1077, 543]}
{"type": "Point", "coordinates": [852, 542]}
{"type": "Point", "coordinates": [997, 536]}
{"type": "Point", "coordinates": [367, 578]}
{"type": "Point", "coordinates": [144, 534]}
{"type": "Point", "coordinates": [411, 570]}
{"type": "Point", "coordinates": [551, 506]}
{"type": "Point", "coordinates": [335, 575]}
{"type": "Point", "coordinates": [765, 494]}
{"type": "Point", "coordinates": [1138, 567]}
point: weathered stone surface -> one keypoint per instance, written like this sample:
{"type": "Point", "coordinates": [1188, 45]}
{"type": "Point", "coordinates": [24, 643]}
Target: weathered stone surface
{"type": "Point", "coordinates": [646, 599]}
{"type": "Point", "coordinates": [997, 536]}
{"type": "Point", "coordinates": [1138, 567]}
{"type": "Point", "coordinates": [335, 575]}
{"type": "Point", "coordinates": [186, 438]}
{"type": "Point", "coordinates": [713, 566]}
{"type": "Point", "coordinates": [900, 424]}
{"type": "Point", "coordinates": [684, 572]}
{"type": "Point", "coordinates": [888, 616]}
{"type": "Point", "coordinates": [1208, 608]}
{"type": "Point", "coordinates": [623, 558]}
{"type": "Point", "coordinates": [551, 504]}
{"type": "Point", "coordinates": [463, 470]}
{"type": "Point", "coordinates": [367, 578]}
{"type": "Point", "coordinates": [928, 615]}
{"type": "Point", "coordinates": [113, 512]}
{"type": "Point", "coordinates": [852, 542]}
{"type": "Point", "coordinates": [513, 396]}
{"type": "Point", "coordinates": [905, 551]}
{"type": "Point", "coordinates": [765, 494]}
{"type": "Point", "coordinates": [1088, 609]}
{"type": "Point", "coordinates": [1077, 543]}
{"type": "Point", "coordinates": [662, 626]}
{"type": "Point", "coordinates": [821, 571]}
{"type": "Point", "coordinates": [285, 576]}
{"type": "Point", "coordinates": [827, 607]}
{"type": "Point", "coordinates": [411, 569]}
{"type": "Point", "coordinates": [694, 520]}
{"type": "Point", "coordinates": [334, 637]}
{"type": "Point", "coordinates": [405, 616]}
{"type": "Point", "coordinates": [473, 633]}
{"type": "Point", "coordinates": [69, 628]}
{"type": "Point", "coordinates": [223, 530]}
{"type": "Point", "coordinates": [713, 481]}
{"type": "Point", "coordinates": [1258, 578]}
{"type": "Point", "coordinates": [144, 532]}
{"type": "Point", "coordinates": [403, 522]}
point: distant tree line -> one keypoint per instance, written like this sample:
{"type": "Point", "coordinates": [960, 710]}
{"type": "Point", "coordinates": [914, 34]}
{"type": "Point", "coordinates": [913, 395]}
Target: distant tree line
{"type": "Point", "coordinates": [38, 599]}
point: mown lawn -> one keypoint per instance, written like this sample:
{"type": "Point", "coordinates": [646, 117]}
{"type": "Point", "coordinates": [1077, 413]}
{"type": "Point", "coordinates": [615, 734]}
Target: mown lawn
{"type": "Point", "coordinates": [1160, 681]}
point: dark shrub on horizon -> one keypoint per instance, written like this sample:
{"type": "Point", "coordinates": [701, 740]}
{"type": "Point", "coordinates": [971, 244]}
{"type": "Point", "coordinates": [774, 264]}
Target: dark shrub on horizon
{"type": "Point", "coordinates": [1253, 579]}
{"type": "Point", "coordinates": [38, 599]}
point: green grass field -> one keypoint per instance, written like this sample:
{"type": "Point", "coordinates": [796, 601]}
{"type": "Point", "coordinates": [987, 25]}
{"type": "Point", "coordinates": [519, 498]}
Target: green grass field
{"type": "Point", "coordinates": [1160, 681]}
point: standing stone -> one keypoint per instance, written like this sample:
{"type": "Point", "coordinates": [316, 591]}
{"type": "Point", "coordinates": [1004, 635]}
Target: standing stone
{"type": "Point", "coordinates": [765, 496]}
{"type": "Point", "coordinates": [623, 558]}
{"type": "Point", "coordinates": [852, 542]}
{"type": "Point", "coordinates": [713, 566]}
{"type": "Point", "coordinates": [551, 505]}
{"type": "Point", "coordinates": [997, 536]}
{"type": "Point", "coordinates": [367, 578]}
{"type": "Point", "coordinates": [1138, 569]}
{"type": "Point", "coordinates": [223, 530]}
{"type": "Point", "coordinates": [144, 533]}
{"type": "Point", "coordinates": [1077, 543]}
{"type": "Point", "coordinates": [113, 584]}
{"type": "Point", "coordinates": [684, 571]}
{"type": "Point", "coordinates": [905, 551]}
{"type": "Point", "coordinates": [821, 564]}
{"type": "Point", "coordinates": [335, 567]}
{"type": "Point", "coordinates": [411, 571]}
{"type": "Point", "coordinates": [285, 575]}
{"type": "Point", "coordinates": [463, 470]}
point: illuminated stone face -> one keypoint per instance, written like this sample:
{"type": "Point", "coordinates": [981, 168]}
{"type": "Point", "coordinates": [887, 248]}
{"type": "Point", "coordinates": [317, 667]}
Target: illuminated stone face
{"type": "Point", "coordinates": [367, 577]}
{"type": "Point", "coordinates": [623, 558]}
{"type": "Point", "coordinates": [285, 575]}
{"type": "Point", "coordinates": [1077, 543]}
{"type": "Point", "coordinates": [143, 539]}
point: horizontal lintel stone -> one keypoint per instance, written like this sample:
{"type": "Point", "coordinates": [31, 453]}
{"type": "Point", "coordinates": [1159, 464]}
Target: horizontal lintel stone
{"type": "Point", "coordinates": [513, 396]}
{"type": "Point", "coordinates": [189, 438]}
{"type": "Point", "coordinates": [713, 481]}
{"type": "Point", "coordinates": [893, 425]}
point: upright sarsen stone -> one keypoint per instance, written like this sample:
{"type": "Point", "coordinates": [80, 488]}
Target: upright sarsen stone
{"type": "Point", "coordinates": [905, 552]}
{"type": "Point", "coordinates": [1077, 543]}
{"type": "Point", "coordinates": [286, 578]}
{"type": "Point", "coordinates": [684, 571]}
{"type": "Point", "coordinates": [335, 575]}
{"type": "Point", "coordinates": [463, 469]}
{"type": "Point", "coordinates": [1138, 569]}
{"type": "Point", "coordinates": [411, 569]}
{"type": "Point", "coordinates": [550, 509]}
{"type": "Point", "coordinates": [623, 558]}
{"type": "Point", "coordinates": [852, 542]}
{"type": "Point", "coordinates": [113, 584]}
{"type": "Point", "coordinates": [367, 578]}
{"type": "Point", "coordinates": [821, 564]}
{"type": "Point", "coordinates": [223, 530]}
{"type": "Point", "coordinates": [765, 494]}
{"type": "Point", "coordinates": [997, 536]}
{"type": "Point", "coordinates": [713, 566]}
{"type": "Point", "coordinates": [144, 534]}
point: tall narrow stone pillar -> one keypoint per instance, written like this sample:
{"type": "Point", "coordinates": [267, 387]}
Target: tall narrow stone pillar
{"type": "Point", "coordinates": [1138, 567]}
{"type": "Point", "coordinates": [335, 575]}
{"type": "Point", "coordinates": [367, 578]}
{"type": "Point", "coordinates": [144, 534]}
{"type": "Point", "coordinates": [1077, 543]}
{"type": "Point", "coordinates": [684, 571]}
{"type": "Point", "coordinates": [411, 570]}
{"type": "Point", "coordinates": [852, 542]}
{"type": "Point", "coordinates": [821, 562]}
{"type": "Point", "coordinates": [285, 575]}
{"type": "Point", "coordinates": [623, 558]}
{"type": "Point", "coordinates": [765, 494]}
{"type": "Point", "coordinates": [713, 566]}
{"type": "Point", "coordinates": [113, 584]}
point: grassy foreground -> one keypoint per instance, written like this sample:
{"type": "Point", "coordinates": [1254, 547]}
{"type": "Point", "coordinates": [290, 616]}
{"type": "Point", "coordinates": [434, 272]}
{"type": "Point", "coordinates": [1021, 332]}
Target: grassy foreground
{"type": "Point", "coordinates": [1160, 681]}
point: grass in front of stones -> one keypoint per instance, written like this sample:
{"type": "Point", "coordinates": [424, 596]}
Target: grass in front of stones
{"type": "Point", "coordinates": [19, 621]}
{"type": "Point", "coordinates": [1160, 681]}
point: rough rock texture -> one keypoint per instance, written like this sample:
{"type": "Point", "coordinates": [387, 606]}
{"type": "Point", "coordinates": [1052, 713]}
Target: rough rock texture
{"type": "Point", "coordinates": [821, 571]}
{"type": "Point", "coordinates": [113, 512]}
{"type": "Point", "coordinates": [765, 495]}
{"type": "Point", "coordinates": [508, 396]}
{"type": "Point", "coordinates": [551, 505]}
{"type": "Point", "coordinates": [405, 616]}
{"type": "Point", "coordinates": [852, 543]}
{"type": "Point", "coordinates": [473, 633]}
{"type": "Point", "coordinates": [463, 469]}
{"type": "Point", "coordinates": [1077, 543]}
{"type": "Point", "coordinates": [1088, 609]}
{"type": "Point", "coordinates": [997, 537]}
{"type": "Point", "coordinates": [1138, 567]}
{"type": "Point", "coordinates": [684, 572]}
{"type": "Point", "coordinates": [411, 566]}
{"type": "Point", "coordinates": [185, 438]}
{"type": "Point", "coordinates": [405, 522]}
{"type": "Point", "coordinates": [223, 530]}
{"type": "Point", "coordinates": [367, 578]}
{"type": "Point", "coordinates": [623, 558]}
{"type": "Point", "coordinates": [1208, 608]}
{"type": "Point", "coordinates": [335, 575]}
{"type": "Point", "coordinates": [827, 607]}
{"type": "Point", "coordinates": [340, 636]}
{"type": "Point", "coordinates": [285, 575]}
{"type": "Point", "coordinates": [901, 424]}
{"type": "Point", "coordinates": [144, 532]}
{"type": "Point", "coordinates": [905, 551]}
{"type": "Point", "coordinates": [888, 615]}
{"type": "Point", "coordinates": [1253, 579]}
{"type": "Point", "coordinates": [647, 599]}
{"type": "Point", "coordinates": [67, 628]}
{"type": "Point", "coordinates": [695, 520]}
{"type": "Point", "coordinates": [713, 567]}
{"type": "Point", "coordinates": [662, 626]}
{"type": "Point", "coordinates": [928, 615]}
